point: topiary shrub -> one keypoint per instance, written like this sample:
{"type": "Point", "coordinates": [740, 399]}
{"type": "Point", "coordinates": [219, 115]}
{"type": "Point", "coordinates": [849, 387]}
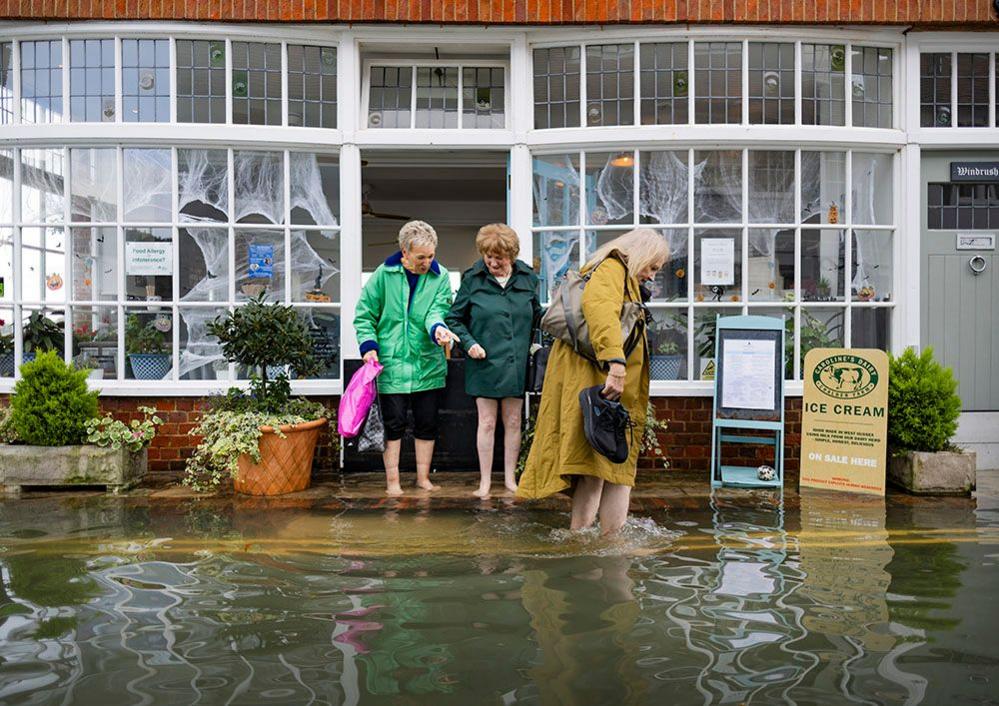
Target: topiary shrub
{"type": "Point", "coordinates": [51, 403]}
{"type": "Point", "coordinates": [923, 405]}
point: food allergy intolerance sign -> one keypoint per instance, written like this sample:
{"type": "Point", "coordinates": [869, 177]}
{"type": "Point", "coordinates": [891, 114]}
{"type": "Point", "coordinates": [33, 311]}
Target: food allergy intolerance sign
{"type": "Point", "coordinates": [844, 420]}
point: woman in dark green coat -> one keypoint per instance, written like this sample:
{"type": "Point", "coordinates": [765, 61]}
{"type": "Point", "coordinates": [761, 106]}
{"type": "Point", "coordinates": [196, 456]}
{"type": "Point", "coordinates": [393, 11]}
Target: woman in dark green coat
{"type": "Point", "coordinates": [494, 314]}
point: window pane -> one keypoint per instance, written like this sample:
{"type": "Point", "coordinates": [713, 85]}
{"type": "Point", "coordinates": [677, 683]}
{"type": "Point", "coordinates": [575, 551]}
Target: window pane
{"type": "Point", "coordinates": [315, 189]}
{"type": "Point", "coordinates": [482, 98]}
{"type": "Point", "coordinates": [259, 178]}
{"type": "Point", "coordinates": [200, 352]}
{"type": "Point", "coordinates": [934, 90]}
{"type": "Point", "coordinates": [91, 80]}
{"type": "Point", "coordinates": [201, 81]}
{"type": "Point", "coordinates": [324, 328]}
{"type": "Point", "coordinates": [787, 314]}
{"type": "Point", "coordinates": [6, 186]}
{"type": "Point", "coordinates": [663, 187]}
{"type": "Point", "coordinates": [555, 253]}
{"type": "Point", "coordinates": [771, 83]}
{"type": "Point", "coordinates": [41, 81]}
{"type": "Point", "coordinates": [6, 268]}
{"type": "Point", "coordinates": [6, 83]}
{"type": "Point", "coordinates": [147, 185]}
{"type": "Point", "coordinates": [391, 96]}
{"type": "Point", "coordinates": [42, 183]}
{"type": "Point", "coordinates": [145, 81]}
{"type": "Point", "coordinates": [315, 266]}
{"type": "Point", "coordinates": [670, 283]}
{"type": "Point", "coordinates": [664, 83]}
{"type": "Point", "coordinates": [596, 239]}
{"type": "Point", "coordinates": [311, 86]}
{"type": "Point", "coordinates": [971, 206]}
{"type": "Point", "coordinates": [149, 264]}
{"type": "Point", "coordinates": [872, 86]}
{"type": "Point", "coordinates": [771, 187]}
{"type": "Point", "coordinates": [771, 264]}
{"type": "Point", "coordinates": [872, 191]}
{"type": "Point", "coordinates": [556, 87]}
{"type": "Point", "coordinates": [256, 83]}
{"type": "Point", "coordinates": [43, 264]}
{"type": "Point", "coordinates": [203, 187]}
{"type": "Point", "coordinates": [823, 187]}
{"type": "Point", "coordinates": [260, 264]}
{"type": "Point", "coordinates": [718, 265]}
{"type": "Point", "coordinates": [823, 261]}
{"type": "Point", "coordinates": [95, 340]}
{"type": "Point", "coordinates": [42, 330]}
{"type": "Point", "coordinates": [556, 190]}
{"type": "Point", "coordinates": [204, 264]}
{"type": "Point", "coordinates": [668, 344]}
{"type": "Point", "coordinates": [610, 84]}
{"type": "Point", "coordinates": [872, 265]}
{"type": "Point", "coordinates": [718, 82]}
{"type": "Point", "coordinates": [870, 327]}
{"type": "Point", "coordinates": [718, 186]}
{"type": "Point", "coordinates": [95, 264]}
{"type": "Point", "coordinates": [823, 84]}
{"type": "Point", "coordinates": [7, 329]}
{"type": "Point", "coordinates": [94, 185]}
{"type": "Point", "coordinates": [610, 188]}
{"type": "Point", "coordinates": [436, 97]}
{"type": "Point", "coordinates": [820, 328]}
{"type": "Point", "coordinates": [148, 343]}
{"type": "Point", "coordinates": [972, 90]}
{"type": "Point", "coordinates": [705, 320]}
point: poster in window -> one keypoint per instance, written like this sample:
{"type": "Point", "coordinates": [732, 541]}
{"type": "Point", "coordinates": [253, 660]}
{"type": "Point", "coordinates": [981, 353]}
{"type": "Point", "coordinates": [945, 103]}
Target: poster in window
{"type": "Point", "coordinates": [718, 261]}
{"type": "Point", "coordinates": [261, 261]}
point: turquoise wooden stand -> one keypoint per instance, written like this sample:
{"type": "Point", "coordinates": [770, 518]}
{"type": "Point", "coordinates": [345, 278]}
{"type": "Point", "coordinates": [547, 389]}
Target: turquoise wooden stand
{"type": "Point", "coordinates": [770, 423]}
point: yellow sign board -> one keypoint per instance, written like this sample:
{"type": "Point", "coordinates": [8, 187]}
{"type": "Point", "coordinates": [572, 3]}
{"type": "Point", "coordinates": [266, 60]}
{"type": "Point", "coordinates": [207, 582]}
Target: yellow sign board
{"type": "Point", "coordinates": [844, 420]}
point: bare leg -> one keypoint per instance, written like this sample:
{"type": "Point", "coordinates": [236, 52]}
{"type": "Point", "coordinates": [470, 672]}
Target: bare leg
{"type": "Point", "coordinates": [424, 455]}
{"type": "Point", "coordinates": [614, 507]}
{"type": "Point", "coordinates": [586, 501]}
{"type": "Point", "coordinates": [512, 413]}
{"type": "Point", "coordinates": [390, 457]}
{"type": "Point", "coordinates": [485, 439]}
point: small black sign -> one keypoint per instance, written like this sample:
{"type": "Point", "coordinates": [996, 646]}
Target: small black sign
{"type": "Point", "coordinates": [974, 171]}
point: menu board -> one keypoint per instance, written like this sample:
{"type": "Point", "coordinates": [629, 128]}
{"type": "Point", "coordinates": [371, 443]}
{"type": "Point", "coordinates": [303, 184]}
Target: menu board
{"type": "Point", "coordinates": [749, 374]}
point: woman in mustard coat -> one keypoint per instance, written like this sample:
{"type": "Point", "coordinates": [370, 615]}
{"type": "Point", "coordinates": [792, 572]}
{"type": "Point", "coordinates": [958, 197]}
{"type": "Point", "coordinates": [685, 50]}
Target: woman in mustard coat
{"type": "Point", "coordinates": [561, 458]}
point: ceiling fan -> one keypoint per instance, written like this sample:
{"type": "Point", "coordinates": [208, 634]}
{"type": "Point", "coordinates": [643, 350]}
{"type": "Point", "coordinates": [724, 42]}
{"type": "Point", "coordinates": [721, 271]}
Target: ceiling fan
{"type": "Point", "coordinates": [366, 209]}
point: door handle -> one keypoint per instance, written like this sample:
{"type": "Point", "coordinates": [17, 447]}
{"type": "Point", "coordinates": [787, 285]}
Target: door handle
{"type": "Point", "coordinates": [977, 264]}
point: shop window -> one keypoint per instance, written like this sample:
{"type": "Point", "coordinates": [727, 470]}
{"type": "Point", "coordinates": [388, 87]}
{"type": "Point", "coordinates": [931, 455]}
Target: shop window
{"type": "Point", "coordinates": [556, 190]}
{"type": "Point", "coordinates": [823, 262]}
{"type": "Point", "coordinates": [823, 84]}
{"type": "Point", "coordinates": [6, 186]}
{"type": "Point", "coordinates": [771, 83]}
{"type": "Point", "coordinates": [91, 80]}
{"type": "Point", "coordinates": [823, 187]}
{"type": "Point", "coordinates": [390, 97]}
{"type": "Point", "coordinates": [260, 264]}
{"type": "Point", "coordinates": [971, 206]}
{"type": "Point", "coordinates": [312, 86]}
{"type": "Point", "coordinates": [42, 180]}
{"type": "Point", "coordinates": [95, 340]}
{"type": "Point", "coordinates": [770, 274]}
{"type": "Point", "coordinates": [610, 84]}
{"type": "Point", "coordinates": [204, 264]}
{"type": "Point", "coordinates": [436, 97]}
{"type": "Point", "coordinates": [662, 183]}
{"type": "Point", "coordinates": [95, 264]}
{"type": "Point", "coordinates": [872, 86]}
{"type": "Point", "coordinates": [556, 87]}
{"type": "Point", "coordinates": [43, 264]}
{"type": "Point", "coordinates": [203, 185]}
{"type": "Point", "coordinates": [934, 90]}
{"type": "Point", "coordinates": [6, 83]}
{"type": "Point", "coordinates": [872, 201]}
{"type": "Point", "coordinates": [718, 82]}
{"type": "Point", "coordinates": [972, 90]}
{"type": "Point", "coordinates": [41, 81]}
{"type": "Point", "coordinates": [149, 264]}
{"type": "Point", "coordinates": [256, 83]}
{"type": "Point", "coordinates": [149, 343]}
{"type": "Point", "coordinates": [771, 186]}
{"type": "Point", "coordinates": [664, 83]}
{"type": "Point", "coordinates": [201, 89]}
{"type": "Point", "coordinates": [93, 185]}
{"type": "Point", "coordinates": [871, 275]}
{"type": "Point", "coordinates": [200, 353]}
{"type": "Point", "coordinates": [610, 188]}
{"type": "Point", "coordinates": [258, 179]}
{"type": "Point", "coordinates": [147, 183]}
{"type": "Point", "coordinates": [145, 80]}
{"type": "Point", "coordinates": [483, 98]}
{"type": "Point", "coordinates": [718, 188]}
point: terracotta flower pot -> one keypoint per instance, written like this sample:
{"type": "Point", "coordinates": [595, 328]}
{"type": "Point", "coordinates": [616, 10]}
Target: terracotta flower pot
{"type": "Point", "coordinates": [285, 463]}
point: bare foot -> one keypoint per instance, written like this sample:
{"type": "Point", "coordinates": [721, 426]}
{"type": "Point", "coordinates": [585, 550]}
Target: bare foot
{"type": "Point", "coordinates": [511, 488]}
{"type": "Point", "coordinates": [482, 492]}
{"type": "Point", "coordinates": [427, 485]}
{"type": "Point", "coordinates": [393, 491]}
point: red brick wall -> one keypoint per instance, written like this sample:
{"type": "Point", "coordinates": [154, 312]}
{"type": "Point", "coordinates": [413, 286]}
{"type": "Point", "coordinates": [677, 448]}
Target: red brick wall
{"type": "Point", "coordinates": [543, 12]}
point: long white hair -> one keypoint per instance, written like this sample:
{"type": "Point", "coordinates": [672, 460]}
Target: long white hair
{"type": "Point", "coordinates": [641, 247]}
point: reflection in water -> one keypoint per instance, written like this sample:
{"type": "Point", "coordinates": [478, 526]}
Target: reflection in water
{"type": "Point", "coordinates": [760, 598]}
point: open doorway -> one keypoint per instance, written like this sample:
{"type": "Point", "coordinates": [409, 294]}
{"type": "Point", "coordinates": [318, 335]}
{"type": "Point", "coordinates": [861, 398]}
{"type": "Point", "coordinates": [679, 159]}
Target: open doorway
{"type": "Point", "coordinates": [456, 192]}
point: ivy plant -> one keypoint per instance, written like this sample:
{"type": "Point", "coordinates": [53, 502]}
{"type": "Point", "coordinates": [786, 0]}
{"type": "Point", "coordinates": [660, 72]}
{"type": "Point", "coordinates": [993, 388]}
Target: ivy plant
{"type": "Point", "coordinates": [136, 435]}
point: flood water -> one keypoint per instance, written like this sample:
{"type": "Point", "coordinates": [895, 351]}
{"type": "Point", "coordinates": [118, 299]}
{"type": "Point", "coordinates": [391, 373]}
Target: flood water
{"type": "Point", "coordinates": [747, 598]}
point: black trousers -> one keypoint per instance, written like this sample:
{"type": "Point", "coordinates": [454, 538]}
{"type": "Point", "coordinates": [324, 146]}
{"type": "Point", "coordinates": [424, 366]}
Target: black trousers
{"type": "Point", "coordinates": [424, 405]}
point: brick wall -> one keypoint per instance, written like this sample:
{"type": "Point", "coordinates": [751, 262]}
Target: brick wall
{"type": "Point", "coordinates": [926, 13]}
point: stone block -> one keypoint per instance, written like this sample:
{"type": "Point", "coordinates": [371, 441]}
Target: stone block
{"type": "Point", "coordinates": [69, 466]}
{"type": "Point", "coordinates": [941, 473]}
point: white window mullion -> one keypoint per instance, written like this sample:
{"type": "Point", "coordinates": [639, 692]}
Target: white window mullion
{"type": "Point", "coordinates": [797, 252]}
{"type": "Point", "coordinates": [690, 87]}
{"type": "Point", "coordinates": [848, 265]}
{"type": "Point", "coordinates": [121, 278]}
{"type": "Point", "coordinates": [582, 86]}
{"type": "Point", "coordinates": [692, 358]}
{"type": "Point", "coordinates": [228, 83]}
{"type": "Point", "coordinates": [797, 87]}
{"type": "Point", "coordinates": [231, 233]}
{"type": "Point", "coordinates": [65, 82]}
{"type": "Point", "coordinates": [286, 213]}
{"type": "Point", "coordinates": [284, 85]}
{"type": "Point", "coordinates": [15, 65]}
{"type": "Point", "coordinates": [173, 82]}
{"type": "Point", "coordinates": [638, 86]}
{"type": "Point", "coordinates": [15, 285]}
{"type": "Point", "coordinates": [67, 329]}
{"type": "Point", "coordinates": [744, 285]}
{"type": "Point", "coordinates": [953, 89]}
{"type": "Point", "coordinates": [848, 86]}
{"type": "Point", "coordinates": [583, 215]}
{"type": "Point", "coordinates": [745, 83]}
{"type": "Point", "coordinates": [413, 94]}
{"type": "Point", "coordinates": [636, 186]}
{"type": "Point", "coordinates": [118, 117]}
{"type": "Point", "coordinates": [992, 86]}
{"type": "Point", "coordinates": [460, 97]}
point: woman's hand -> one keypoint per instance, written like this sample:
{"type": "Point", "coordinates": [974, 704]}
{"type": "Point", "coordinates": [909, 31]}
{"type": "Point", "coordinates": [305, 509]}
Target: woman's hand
{"type": "Point", "coordinates": [477, 352]}
{"type": "Point", "coordinates": [614, 387]}
{"type": "Point", "coordinates": [443, 336]}
{"type": "Point", "coordinates": [371, 355]}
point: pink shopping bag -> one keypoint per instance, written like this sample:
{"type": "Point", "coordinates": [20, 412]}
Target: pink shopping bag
{"type": "Point", "coordinates": [357, 399]}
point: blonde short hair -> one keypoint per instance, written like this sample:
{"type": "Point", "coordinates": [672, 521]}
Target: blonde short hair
{"type": "Point", "coordinates": [641, 247]}
{"type": "Point", "coordinates": [498, 239]}
{"type": "Point", "coordinates": [416, 233]}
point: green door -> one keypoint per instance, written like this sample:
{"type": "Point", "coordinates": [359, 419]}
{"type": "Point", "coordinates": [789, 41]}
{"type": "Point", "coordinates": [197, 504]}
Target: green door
{"type": "Point", "coordinates": [960, 274]}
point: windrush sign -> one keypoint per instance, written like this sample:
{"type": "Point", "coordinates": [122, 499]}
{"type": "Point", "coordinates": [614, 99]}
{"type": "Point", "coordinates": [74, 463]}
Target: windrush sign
{"type": "Point", "coordinates": [844, 420]}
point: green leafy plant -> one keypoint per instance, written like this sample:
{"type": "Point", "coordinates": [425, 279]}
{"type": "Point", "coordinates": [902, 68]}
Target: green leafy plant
{"type": "Point", "coordinates": [650, 439]}
{"type": "Point", "coordinates": [667, 348]}
{"type": "Point", "coordinates": [41, 333]}
{"type": "Point", "coordinates": [143, 338]}
{"type": "Point", "coordinates": [136, 435]}
{"type": "Point", "coordinates": [261, 336]}
{"type": "Point", "coordinates": [923, 404]}
{"type": "Point", "coordinates": [8, 435]}
{"type": "Point", "coordinates": [51, 403]}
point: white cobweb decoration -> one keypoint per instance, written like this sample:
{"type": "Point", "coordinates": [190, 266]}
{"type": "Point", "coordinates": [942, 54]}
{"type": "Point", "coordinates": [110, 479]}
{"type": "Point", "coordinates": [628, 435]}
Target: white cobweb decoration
{"type": "Point", "coordinates": [259, 193]}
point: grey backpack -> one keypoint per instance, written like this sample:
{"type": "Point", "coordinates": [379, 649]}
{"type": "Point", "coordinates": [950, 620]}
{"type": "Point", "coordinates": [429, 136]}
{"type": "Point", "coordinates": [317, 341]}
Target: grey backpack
{"type": "Point", "coordinates": [564, 319]}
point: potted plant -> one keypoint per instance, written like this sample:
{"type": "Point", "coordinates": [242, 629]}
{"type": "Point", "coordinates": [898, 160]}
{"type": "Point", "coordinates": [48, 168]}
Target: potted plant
{"type": "Point", "coordinates": [53, 435]}
{"type": "Point", "coordinates": [823, 289]}
{"type": "Point", "coordinates": [865, 293]}
{"type": "Point", "coordinates": [263, 438]}
{"type": "Point", "coordinates": [146, 348]}
{"type": "Point", "coordinates": [40, 333]}
{"type": "Point", "coordinates": [6, 352]}
{"type": "Point", "coordinates": [923, 407]}
{"type": "Point", "coordinates": [665, 362]}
